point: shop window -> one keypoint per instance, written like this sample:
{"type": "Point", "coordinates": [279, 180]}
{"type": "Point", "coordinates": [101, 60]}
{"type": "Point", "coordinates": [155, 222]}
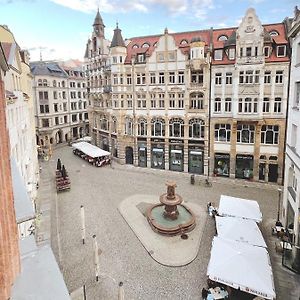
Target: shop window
{"type": "Point", "coordinates": [142, 127]}
{"type": "Point", "coordinates": [196, 128]}
{"type": "Point", "coordinates": [222, 132]}
{"type": "Point", "coordinates": [245, 133]}
{"type": "Point", "coordinates": [158, 127]}
{"type": "Point", "coordinates": [270, 134]}
{"type": "Point", "coordinates": [222, 164]}
{"type": "Point", "coordinates": [196, 101]}
{"type": "Point", "coordinates": [176, 127]}
{"type": "Point", "coordinates": [244, 166]}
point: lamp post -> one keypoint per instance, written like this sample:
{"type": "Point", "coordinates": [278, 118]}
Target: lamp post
{"type": "Point", "coordinates": [279, 199]}
{"type": "Point", "coordinates": [208, 161]}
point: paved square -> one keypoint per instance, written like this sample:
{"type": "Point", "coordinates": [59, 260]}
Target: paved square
{"type": "Point", "coordinates": [123, 258]}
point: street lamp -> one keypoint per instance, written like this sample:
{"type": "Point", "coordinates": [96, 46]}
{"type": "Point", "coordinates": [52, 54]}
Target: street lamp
{"type": "Point", "coordinates": [279, 198]}
{"type": "Point", "coordinates": [208, 161]}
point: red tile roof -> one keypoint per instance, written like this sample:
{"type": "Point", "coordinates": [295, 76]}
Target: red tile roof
{"type": "Point", "coordinates": [152, 40]}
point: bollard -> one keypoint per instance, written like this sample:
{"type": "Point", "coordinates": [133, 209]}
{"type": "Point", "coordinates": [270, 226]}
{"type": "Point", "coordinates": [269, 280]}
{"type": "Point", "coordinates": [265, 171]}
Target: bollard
{"type": "Point", "coordinates": [192, 179]}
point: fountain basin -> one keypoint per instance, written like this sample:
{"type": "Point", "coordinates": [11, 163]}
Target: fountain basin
{"type": "Point", "coordinates": [184, 222]}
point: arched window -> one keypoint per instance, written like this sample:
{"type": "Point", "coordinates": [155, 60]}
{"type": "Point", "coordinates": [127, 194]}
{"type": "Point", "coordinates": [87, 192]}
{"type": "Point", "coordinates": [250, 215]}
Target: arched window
{"type": "Point", "coordinates": [270, 134]}
{"type": "Point", "coordinates": [54, 83]}
{"type": "Point", "coordinates": [158, 127]}
{"type": "Point", "coordinates": [263, 157]}
{"type": "Point", "coordinates": [145, 45]}
{"type": "Point", "coordinates": [104, 125]}
{"type": "Point", "coordinates": [273, 157]}
{"type": "Point", "coordinates": [223, 37]}
{"type": "Point", "coordinates": [128, 126]}
{"type": "Point", "coordinates": [40, 82]}
{"type": "Point", "coordinates": [45, 83]}
{"type": "Point", "coordinates": [196, 101]}
{"type": "Point", "coordinates": [135, 46]}
{"type": "Point", "coordinates": [273, 33]}
{"type": "Point", "coordinates": [176, 126]}
{"type": "Point", "coordinates": [196, 128]}
{"type": "Point", "coordinates": [114, 124]}
{"type": "Point", "coordinates": [142, 126]}
{"type": "Point", "coordinates": [184, 42]}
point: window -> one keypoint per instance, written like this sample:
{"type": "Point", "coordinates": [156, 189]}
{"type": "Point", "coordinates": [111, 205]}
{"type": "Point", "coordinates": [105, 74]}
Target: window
{"type": "Point", "coordinates": [222, 38]}
{"type": "Point", "coordinates": [196, 101]}
{"type": "Point", "coordinates": [135, 46]}
{"type": "Point", "coordinates": [115, 59]}
{"type": "Point", "coordinates": [171, 100]}
{"type": "Point", "coordinates": [270, 134]}
{"type": "Point", "coordinates": [248, 105]}
{"type": "Point", "coordinates": [128, 78]}
{"type": "Point", "coordinates": [158, 127]}
{"type": "Point", "coordinates": [142, 127]}
{"type": "Point", "coordinates": [54, 83]}
{"type": "Point", "coordinates": [55, 105]}
{"type": "Point", "coordinates": [267, 77]}
{"type": "Point", "coordinates": [128, 126]}
{"type": "Point", "coordinates": [171, 56]}
{"type": "Point", "coordinates": [266, 105]}
{"type": "Point", "coordinates": [217, 107]}
{"type": "Point", "coordinates": [141, 100]}
{"type": "Point", "coordinates": [196, 128]}
{"type": "Point", "coordinates": [160, 57]}
{"type": "Point", "coordinates": [45, 82]}
{"type": "Point", "coordinates": [245, 133]}
{"type": "Point", "coordinates": [56, 121]}
{"type": "Point", "coordinates": [256, 76]}
{"type": "Point", "coordinates": [74, 118]}
{"type": "Point", "coordinates": [104, 125]}
{"type": "Point", "coordinates": [241, 52]}
{"type": "Point", "coordinates": [65, 119]}
{"type": "Point", "coordinates": [228, 104]}
{"type": "Point", "coordinates": [281, 51]}
{"type": "Point", "coordinates": [249, 76]}
{"type": "Point", "coordinates": [180, 100]}
{"type": "Point", "coordinates": [218, 54]}
{"type": "Point", "coordinates": [273, 33]}
{"type": "Point", "coordinates": [231, 54]}
{"type": "Point", "coordinates": [44, 108]}
{"type": "Point", "coordinates": [297, 96]}
{"type": "Point", "coordinates": [279, 77]}
{"type": "Point", "coordinates": [153, 100]}
{"type": "Point", "coordinates": [248, 51]}
{"type": "Point", "coordinates": [277, 105]}
{"type": "Point", "coordinates": [54, 94]}
{"type": "Point", "coordinates": [152, 78]}
{"type": "Point", "coordinates": [43, 95]}
{"type": "Point", "coordinates": [222, 132]}
{"type": "Point", "coordinates": [141, 78]}
{"type": "Point", "coordinates": [218, 78]}
{"type": "Point", "coordinates": [114, 124]}
{"type": "Point", "coordinates": [45, 122]}
{"type": "Point", "coordinates": [184, 42]}
{"type": "Point", "coordinates": [176, 127]}
{"type": "Point", "coordinates": [172, 77]}
{"type": "Point", "coordinates": [241, 77]}
{"type": "Point", "coordinates": [145, 45]}
{"type": "Point", "coordinates": [180, 77]}
{"type": "Point", "coordinates": [141, 58]}
{"type": "Point", "coordinates": [228, 78]}
{"type": "Point", "coordinates": [65, 106]}
{"type": "Point", "coordinates": [161, 100]}
{"type": "Point", "coordinates": [197, 77]}
{"type": "Point", "coordinates": [161, 77]}
{"type": "Point", "coordinates": [267, 51]}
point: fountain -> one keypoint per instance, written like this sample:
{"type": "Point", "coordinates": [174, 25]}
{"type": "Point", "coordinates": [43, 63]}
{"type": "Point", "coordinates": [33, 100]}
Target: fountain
{"type": "Point", "coordinates": [170, 217]}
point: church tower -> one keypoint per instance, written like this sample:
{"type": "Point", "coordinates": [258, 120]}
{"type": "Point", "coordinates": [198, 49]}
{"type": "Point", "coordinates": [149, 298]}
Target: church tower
{"type": "Point", "coordinates": [98, 26]}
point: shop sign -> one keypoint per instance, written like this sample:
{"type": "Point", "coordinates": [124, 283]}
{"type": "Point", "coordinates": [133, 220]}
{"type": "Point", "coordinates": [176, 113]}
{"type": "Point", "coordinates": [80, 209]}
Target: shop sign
{"type": "Point", "coordinates": [157, 140]}
{"type": "Point", "coordinates": [222, 156]}
{"type": "Point", "coordinates": [196, 142]}
{"type": "Point", "coordinates": [245, 157]}
{"type": "Point", "coordinates": [176, 141]}
{"type": "Point", "coordinates": [141, 139]}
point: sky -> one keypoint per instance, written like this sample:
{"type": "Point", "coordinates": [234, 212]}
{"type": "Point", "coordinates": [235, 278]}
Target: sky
{"type": "Point", "coordinates": [59, 29]}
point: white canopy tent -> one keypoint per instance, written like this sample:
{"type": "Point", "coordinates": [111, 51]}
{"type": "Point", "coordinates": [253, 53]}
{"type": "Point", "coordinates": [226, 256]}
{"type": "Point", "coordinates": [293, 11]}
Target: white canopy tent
{"type": "Point", "coordinates": [241, 266]}
{"type": "Point", "coordinates": [240, 208]}
{"type": "Point", "coordinates": [240, 230]}
{"type": "Point", "coordinates": [90, 150]}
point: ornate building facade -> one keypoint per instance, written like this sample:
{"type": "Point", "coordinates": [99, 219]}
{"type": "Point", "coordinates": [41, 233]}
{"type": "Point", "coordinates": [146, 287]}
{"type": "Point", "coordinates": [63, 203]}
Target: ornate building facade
{"type": "Point", "coordinates": [192, 101]}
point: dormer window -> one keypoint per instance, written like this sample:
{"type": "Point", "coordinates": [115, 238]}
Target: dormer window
{"type": "Point", "coordinates": [184, 42]}
{"type": "Point", "coordinates": [218, 54]}
{"type": "Point", "coordinates": [145, 45]}
{"type": "Point", "coordinates": [281, 51]}
{"type": "Point", "coordinates": [141, 58]}
{"type": "Point", "coordinates": [223, 38]}
{"type": "Point", "coordinates": [135, 46]}
{"type": "Point", "coordinates": [231, 54]}
{"type": "Point", "coordinates": [273, 33]}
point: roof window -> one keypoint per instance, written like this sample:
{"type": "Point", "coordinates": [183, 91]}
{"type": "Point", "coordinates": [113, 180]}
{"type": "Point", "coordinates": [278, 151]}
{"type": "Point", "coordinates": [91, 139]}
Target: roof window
{"type": "Point", "coordinates": [273, 33]}
{"type": "Point", "coordinates": [223, 37]}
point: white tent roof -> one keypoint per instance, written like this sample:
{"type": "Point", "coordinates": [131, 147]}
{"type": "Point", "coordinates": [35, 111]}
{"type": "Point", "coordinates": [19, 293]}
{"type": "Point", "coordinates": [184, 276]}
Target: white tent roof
{"type": "Point", "coordinates": [90, 150]}
{"type": "Point", "coordinates": [238, 207]}
{"type": "Point", "coordinates": [243, 266]}
{"type": "Point", "coordinates": [240, 230]}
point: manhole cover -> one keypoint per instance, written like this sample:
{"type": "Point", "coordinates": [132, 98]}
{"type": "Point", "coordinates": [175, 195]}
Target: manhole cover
{"type": "Point", "coordinates": [184, 236]}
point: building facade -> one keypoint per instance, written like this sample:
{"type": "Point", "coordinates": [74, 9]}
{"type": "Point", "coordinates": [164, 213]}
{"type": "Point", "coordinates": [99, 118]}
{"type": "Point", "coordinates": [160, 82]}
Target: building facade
{"type": "Point", "coordinates": [249, 92]}
{"type": "Point", "coordinates": [60, 104]}
{"type": "Point", "coordinates": [291, 197]}
{"type": "Point", "coordinates": [20, 112]}
{"type": "Point", "coordinates": [205, 102]}
{"type": "Point", "coordinates": [9, 248]}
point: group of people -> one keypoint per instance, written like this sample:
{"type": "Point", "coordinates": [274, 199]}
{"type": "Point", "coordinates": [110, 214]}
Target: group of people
{"type": "Point", "coordinates": [212, 211]}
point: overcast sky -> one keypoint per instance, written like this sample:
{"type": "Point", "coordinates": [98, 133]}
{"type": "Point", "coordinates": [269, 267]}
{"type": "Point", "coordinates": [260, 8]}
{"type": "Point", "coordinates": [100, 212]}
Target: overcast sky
{"type": "Point", "coordinates": [60, 28]}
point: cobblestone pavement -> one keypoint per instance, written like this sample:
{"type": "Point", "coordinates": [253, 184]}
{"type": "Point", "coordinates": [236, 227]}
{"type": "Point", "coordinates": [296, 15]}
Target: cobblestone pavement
{"type": "Point", "coordinates": [123, 257]}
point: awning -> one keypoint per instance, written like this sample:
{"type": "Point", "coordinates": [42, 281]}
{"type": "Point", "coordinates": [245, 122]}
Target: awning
{"type": "Point", "coordinates": [90, 150]}
{"type": "Point", "coordinates": [240, 208]}
{"type": "Point", "coordinates": [240, 230]}
{"type": "Point", "coordinates": [241, 266]}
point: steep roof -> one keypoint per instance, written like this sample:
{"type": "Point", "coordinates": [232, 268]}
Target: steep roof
{"type": "Point", "coordinates": [117, 40]}
{"type": "Point", "coordinates": [98, 20]}
{"type": "Point", "coordinates": [47, 69]}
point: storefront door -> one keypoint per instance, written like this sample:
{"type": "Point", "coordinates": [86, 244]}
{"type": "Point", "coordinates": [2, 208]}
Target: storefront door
{"type": "Point", "coordinates": [142, 157]}
{"type": "Point", "coordinates": [176, 158]}
{"type": "Point", "coordinates": [222, 164]}
{"type": "Point", "coordinates": [262, 171]}
{"type": "Point", "coordinates": [244, 166]}
{"type": "Point", "coordinates": [273, 172]}
{"type": "Point", "coordinates": [196, 162]}
{"type": "Point", "coordinates": [129, 155]}
{"type": "Point", "coordinates": [158, 158]}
